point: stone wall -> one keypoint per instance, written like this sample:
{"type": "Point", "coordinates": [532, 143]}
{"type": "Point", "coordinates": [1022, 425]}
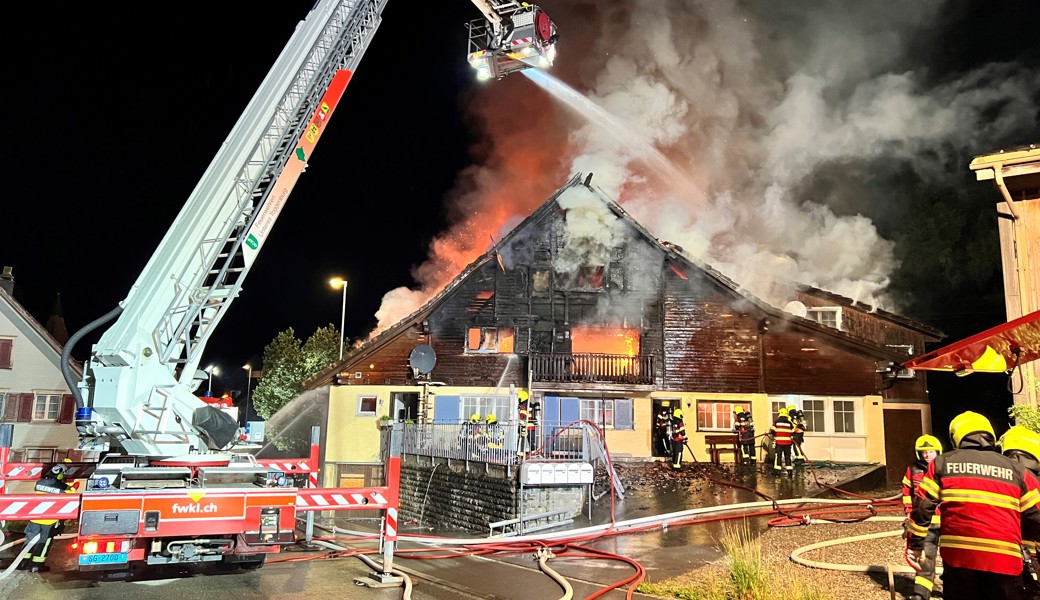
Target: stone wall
{"type": "Point", "coordinates": [446, 495]}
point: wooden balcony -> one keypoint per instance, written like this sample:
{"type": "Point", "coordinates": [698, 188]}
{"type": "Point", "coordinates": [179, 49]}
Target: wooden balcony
{"type": "Point", "coordinates": [593, 368]}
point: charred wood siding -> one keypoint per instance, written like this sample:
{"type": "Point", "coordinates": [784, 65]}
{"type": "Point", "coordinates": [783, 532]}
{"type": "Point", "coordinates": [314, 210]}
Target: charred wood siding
{"type": "Point", "coordinates": [708, 344]}
{"type": "Point", "coordinates": [386, 366]}
{"type": "Point", "coordinates": [800, 363]}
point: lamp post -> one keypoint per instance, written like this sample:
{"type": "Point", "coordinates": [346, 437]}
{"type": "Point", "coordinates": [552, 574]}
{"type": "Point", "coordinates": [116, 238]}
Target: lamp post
{"type": "Point", "coordinates": [249, 379]}
{"type": "Point", "coordinates": [339, 282]}
{"type": "Point", "coordinates": [212, 370]}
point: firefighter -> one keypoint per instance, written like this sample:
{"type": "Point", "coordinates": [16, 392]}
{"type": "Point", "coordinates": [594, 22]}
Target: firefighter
{"type": "Point", "coordinates": [781, 432]}
{"type": "Point", "coordinates": [52, 482]}
{"type": "Point", "coordinates": [492, 431]}
{"type": "Point", "coordinates": [527, 424]}
{"type": "Point", "coordinates": [678, 438]}
{"type": "Point", "coordinates": [1022, 445]}
{"type": "Point", "coordinates": [987, 500]}
{"type": "Point", "coordinates": [927, 448]}
{"type": "Point", "coordinates": [744, 427]}
{"type": "Point", "coordinates": [662, 429]}
{"type": "Point", "coordinates": [797, 418]}
{"type": "Point", "coordinates": [474, 436]}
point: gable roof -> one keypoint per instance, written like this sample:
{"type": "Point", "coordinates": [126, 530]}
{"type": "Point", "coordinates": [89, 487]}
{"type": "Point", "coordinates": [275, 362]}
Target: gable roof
{"type": "Point", "coordinates": [29, 326]}
{"type": "Point", "coordinates": [674, 256]}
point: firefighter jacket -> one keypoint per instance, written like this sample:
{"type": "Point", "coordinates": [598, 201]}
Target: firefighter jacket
{"type": "Point", "coordinates": [987, 501]}
{"type": "Point", "coordinates": [744, 427]}
{"type": "Point", "coordinates": [678, 430]}
{"type": "Point", "coordinates": [662, 421]}
{"type": "Point", "coordinates": [527, 418]}
{"type": "Point", "coordinates": [50, 485]}
{"type": "Point", "coordinates": [782, 430]}
{"type": "Point", "coordinates": [911, 483]}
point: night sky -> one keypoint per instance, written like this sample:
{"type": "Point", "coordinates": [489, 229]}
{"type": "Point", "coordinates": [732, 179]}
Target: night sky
{"type": "Point", "coordinates": [800, 131]}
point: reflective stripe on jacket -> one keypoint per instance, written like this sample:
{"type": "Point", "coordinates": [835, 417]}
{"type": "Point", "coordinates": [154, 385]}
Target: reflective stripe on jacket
{"type": "Point", "coordinates": [782, 431]}
{"type": "Point", "coordinates": [986, 499]}
{"type": "Point", "coordinates": [911, 484]}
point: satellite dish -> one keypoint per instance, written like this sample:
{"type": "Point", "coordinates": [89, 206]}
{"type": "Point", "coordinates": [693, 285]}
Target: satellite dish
{"type": "Point", "coordinates": [422, 359]}
{"type": "Point", "coordinates": [796, 308]}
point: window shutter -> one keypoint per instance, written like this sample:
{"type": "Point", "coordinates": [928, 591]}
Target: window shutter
{"type": "Point", "coordinates": [67, 411]}
{"type": "Point", "coordinates": [25, 407]}
{"type": "Point", "coordinates": [5, 353]}
{"type": "Point", "coordinates": [11, 408]}
{"type": "Point", "coordinates": [623, 414]}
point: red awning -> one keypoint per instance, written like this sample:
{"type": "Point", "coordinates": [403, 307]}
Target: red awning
{"type": "Point", "coordinates": [993, 351]}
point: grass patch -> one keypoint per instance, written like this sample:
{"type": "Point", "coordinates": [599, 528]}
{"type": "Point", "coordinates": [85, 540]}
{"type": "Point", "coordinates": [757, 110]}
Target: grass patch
{"type": "Point", "coordinates": [744, 576]}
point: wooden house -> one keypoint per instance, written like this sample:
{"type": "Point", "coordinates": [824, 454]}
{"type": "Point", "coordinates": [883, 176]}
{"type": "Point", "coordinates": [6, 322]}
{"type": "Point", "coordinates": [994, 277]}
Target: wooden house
{"type": "Point", "coordinates": [597, 319]}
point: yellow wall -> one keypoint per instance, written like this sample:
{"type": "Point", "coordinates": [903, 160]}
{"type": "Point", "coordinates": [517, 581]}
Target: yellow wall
{"type": "Point", "coordinates": [874, 415]}
{"type": "Point", "coordinates": [633, 443]}
{"type": "Point", "coordinates": [353, 438]}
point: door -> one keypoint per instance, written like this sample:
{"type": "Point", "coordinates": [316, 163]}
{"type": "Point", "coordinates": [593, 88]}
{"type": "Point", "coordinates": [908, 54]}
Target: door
{"type": "Point", "coordinates": [902, 428]}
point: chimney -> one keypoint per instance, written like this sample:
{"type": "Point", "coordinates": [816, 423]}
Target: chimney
{"type": "Point", "coordinates": [7, 280]}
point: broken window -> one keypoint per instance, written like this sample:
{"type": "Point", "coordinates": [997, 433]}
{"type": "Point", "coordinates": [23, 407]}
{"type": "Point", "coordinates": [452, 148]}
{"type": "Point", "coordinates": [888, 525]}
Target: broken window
{"type": "Point", "coordinates": [489, 340]}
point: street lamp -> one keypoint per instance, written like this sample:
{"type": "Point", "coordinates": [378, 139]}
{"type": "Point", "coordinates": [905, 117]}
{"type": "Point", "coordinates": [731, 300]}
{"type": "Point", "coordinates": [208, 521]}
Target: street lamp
{"type": "Point", "coordinates": [212, 370]}
{"type": "Point", "coordinates": [339, 282]}
{"type": "Point", "coordinates": [249, 379]}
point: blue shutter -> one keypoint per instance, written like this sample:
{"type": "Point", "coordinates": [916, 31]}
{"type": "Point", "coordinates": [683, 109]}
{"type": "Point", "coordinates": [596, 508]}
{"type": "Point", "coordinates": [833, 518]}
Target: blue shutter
{"type": "Point", "coordinates": [446, 409]}
{"type": "Point", "coordinates": [623, 414]}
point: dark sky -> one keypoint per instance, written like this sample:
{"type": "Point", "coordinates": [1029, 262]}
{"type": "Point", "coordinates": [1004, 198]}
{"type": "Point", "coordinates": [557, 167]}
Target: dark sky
{"type": "Point", "coordinates": [799, 133]}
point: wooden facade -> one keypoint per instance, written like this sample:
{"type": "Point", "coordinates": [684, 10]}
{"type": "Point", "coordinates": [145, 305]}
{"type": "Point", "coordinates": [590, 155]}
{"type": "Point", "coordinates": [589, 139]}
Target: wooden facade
{"type": "Point", "coordinates": [526, 313]}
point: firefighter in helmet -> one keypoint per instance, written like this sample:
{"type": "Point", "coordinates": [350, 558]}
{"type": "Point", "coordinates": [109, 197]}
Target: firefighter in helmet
{"type": "Point", "coordinates": [662, 430]}
{"type": "Point", "coordinates": [781, 432]}
{"type": "Point", "coordinates": [527, 424]}
{"type": "Point", "coordinates": [44, 530]}
{"type": "Point", "coordinates": [678, 438]}
{"type": "Point", "coordinates": [493, 431]}
{"type": "Point", "coordinates": [797, 418]}
{"type": "Point", "coordinates": [927, 448]}
{"type": "Point", "coordinates": [1022, 445]}
{"type": "Point", "coordinates": [988, 501]}
{"type": "Point", "coordinates": [744, 427]}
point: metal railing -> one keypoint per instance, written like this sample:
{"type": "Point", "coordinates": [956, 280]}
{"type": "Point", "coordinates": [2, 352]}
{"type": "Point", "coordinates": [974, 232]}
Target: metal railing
{"type": "Point", "coordinates": [592, 368]}
{"type": "Point", "coordinates": [495, 445]}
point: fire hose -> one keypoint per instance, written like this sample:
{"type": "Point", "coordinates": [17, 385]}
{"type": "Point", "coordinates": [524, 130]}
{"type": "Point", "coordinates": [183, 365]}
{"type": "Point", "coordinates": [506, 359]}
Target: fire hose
{"type": "Point", "coordinates": [21, 555]}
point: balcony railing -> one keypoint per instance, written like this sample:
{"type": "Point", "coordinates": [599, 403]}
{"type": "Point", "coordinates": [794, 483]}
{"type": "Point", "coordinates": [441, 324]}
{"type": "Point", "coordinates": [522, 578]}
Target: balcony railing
{"type": "Point", "coordinates": [593, 368]}
{"type": "Point", "coordinates": [495, 445]}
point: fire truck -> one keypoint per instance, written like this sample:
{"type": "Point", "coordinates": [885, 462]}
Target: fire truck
{"type": "Point", "coordinates": [171, 488]}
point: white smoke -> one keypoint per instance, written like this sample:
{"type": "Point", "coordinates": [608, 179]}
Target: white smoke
{"type": "Point", "coordinates": [783, 124]}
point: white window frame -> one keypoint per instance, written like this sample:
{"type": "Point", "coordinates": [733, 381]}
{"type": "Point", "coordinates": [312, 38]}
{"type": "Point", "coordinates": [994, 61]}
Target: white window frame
{"type": "Point", "coordinates": [723, 408]}
{"type": "Point", "coordinates": [814, 416]}
{"type": "Point", "coordinates": [361, 412]}
{"type": "Point", "coordinates": [499, 406]}
{"type": "Point", "coordinates": [834, 404]}
{"type": "Point", "coordinates": [597, 410]}
{"type": "Point", "coordinates": [819, 314]}
{"type": "Point", "coordinates": [484, 331]}
{"type": "Point", "coordinates": [51, 400]}
{"type": "Point", "coordinates": [9, 340]}
{"type": "Point", "coordinates": [829, 415]}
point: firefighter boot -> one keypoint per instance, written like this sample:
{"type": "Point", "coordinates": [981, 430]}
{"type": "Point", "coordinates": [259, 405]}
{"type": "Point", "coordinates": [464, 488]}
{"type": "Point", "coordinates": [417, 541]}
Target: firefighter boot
{"type": "Point", "coordinates": [25, 564]}
{"type": "Point", "coordinates": [39, 568]}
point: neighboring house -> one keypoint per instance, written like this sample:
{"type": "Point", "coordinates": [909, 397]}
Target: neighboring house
{"type": "Point", "coordinates": [33, 393]}
{"type": "Point", "coordinates": [599, 320]}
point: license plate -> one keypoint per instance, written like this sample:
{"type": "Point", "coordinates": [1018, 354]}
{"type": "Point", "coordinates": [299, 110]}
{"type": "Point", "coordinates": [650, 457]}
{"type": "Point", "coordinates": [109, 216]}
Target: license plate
{"type": "Point", "coordinates": [104, 558]}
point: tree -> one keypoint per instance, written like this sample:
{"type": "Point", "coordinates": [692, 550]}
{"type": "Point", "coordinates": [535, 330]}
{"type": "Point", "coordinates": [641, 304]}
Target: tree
{"type": "Point", "coordinates": [288, 362]}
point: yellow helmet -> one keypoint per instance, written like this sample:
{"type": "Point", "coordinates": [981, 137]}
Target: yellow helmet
{"type": "Point", "coordinates": [522, 396]}
{"type": "Point", "coordinates": [791, 408]}
{"type": "Point", "coordinates": [474, 418]}
{"type": "Point", "coordinates": [967, 423]}
{"type": "Point", "coordinates": [738, 409]}
{"type": "Point", "coordinates": [783, 412]}
{"type": "Point", "coordinates": [491, 419]}
{"type": "Point", "coordinates": [1022, 439]}
{"type": "Point", "coordinates": [678, 413]}
{"type": "Point", "coordinates": [928, 442]}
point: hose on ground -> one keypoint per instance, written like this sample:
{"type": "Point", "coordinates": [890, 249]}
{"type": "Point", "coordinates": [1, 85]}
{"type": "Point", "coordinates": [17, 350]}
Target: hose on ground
{"type": "Point", "coordinates": [21, 555]}
{"type": "Point", "coordinates": [797, 557]}
{"type": "Point", "coordinates": [406, 594]}
{"type": "Point", "coordinates": [544, 554]}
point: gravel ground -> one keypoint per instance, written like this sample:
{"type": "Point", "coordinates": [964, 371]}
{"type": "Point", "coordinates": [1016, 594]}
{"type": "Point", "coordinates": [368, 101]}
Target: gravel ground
{"type": "Point", "coordinates": [779, 542]}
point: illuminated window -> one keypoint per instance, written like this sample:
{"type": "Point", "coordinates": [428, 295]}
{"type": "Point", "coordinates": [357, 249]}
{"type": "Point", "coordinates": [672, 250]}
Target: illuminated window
{"type": "Point", "coordinates": [46, 406]}
{"type": "Point", "coordinates": [489, 340]}
{"type": "Point", "coordinates": [715, 416]}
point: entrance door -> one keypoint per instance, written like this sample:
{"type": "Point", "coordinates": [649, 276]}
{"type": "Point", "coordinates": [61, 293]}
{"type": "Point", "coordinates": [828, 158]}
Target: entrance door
{"type": "Point", "coordinates": [902, 428]}
{"type": "Point", "coordinates": [406, 405]}
{"type": "Point", "coordinates": [659, 445]}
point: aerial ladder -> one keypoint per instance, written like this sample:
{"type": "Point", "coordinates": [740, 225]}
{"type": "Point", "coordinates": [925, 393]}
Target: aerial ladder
{"type": "Point", "coordinates": [172, 458]}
